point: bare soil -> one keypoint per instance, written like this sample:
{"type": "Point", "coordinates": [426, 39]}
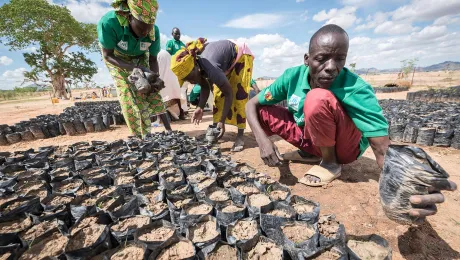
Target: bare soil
{"type": "Point", "coordinates": [203, 231]}
{"type": "Point", "coordinates": [179, 190]}
{"type": "Point", "coordinates": [279, 213]}
{"type": "Point", "coordinates": [265, 251]}
{"type": "Point", "coordinates": [124, 180]}
{"type": "Point", "coordinates": [206, 183]}
{"type": "Point", "coordinates": [14, 205]}
{"type": "Point", "coordinates": [5, 256]}
{"type": "Point", "coordinates": [232, 209]}
{"type": "Point", "coordinates": [219, 194]}
{"type": "Point", "coordinates": [86, 222]}
{"type": "Point", "coordinates": [244, 229]}
{"type": "Point", "coordinates": [223, 252]}
{"type": "Point", "coordinates": [279, 195]}
{"type": "Point", "coordinates": [39, 230]}
{"type": "Point", "coordinates": [328, 255]}
{"type": "Point", "coordinates": [166, 167]}
{"type": "Point", "coordinates": [177, 251]}
{"type": "Point", "coordinates": [41, 193]}
{"type": "Point", "coordinates": [69, 186]}
{"type": "Point", "coordinates": [86, 237]}
{"type": "Point", "coordinates": [105, 205]}
{"type": "Point", "coordinates": [174, 178]}
{"type": "Point", "coordinates": [230, 181]}
{"type": "Point", "coordinates": [191, 164]}
{"type": "Point", "coordinates": [328, 226]}
{"type": "Point", "coordinates": [197, 177]}
{"type": "Point", "coordinates": [59, 200]}
{"type": "Point", "coordinates": [303, 208]}
{"type": "Point", "coordinates": [181, 203]}
{"type": "Point", "coordinates": [5, 199]}
{"type": "Point", "coordinates": [15, 226]}
{"type": "Point", "coordinates": [258, 200]}
{"type": "Point", "coordinates": [131, 252]}
{"type": "Point", "coordinates": [48, 247]}
{"type": "Point", "coordinates": [86, 190]}
{"type": "Point", "coordinates": [158, 234]}
{"type": "Point", "coordinates": [148, 174]}
{"type": "Point", "coordinates": [88, 202]}
{"type": "Point", "coordinates": [298, 232]}
{"type": "Point", "coordinates": [265, 180]}
{"type": "Point", "coordinates": [131, 223]}
{"type": "Point", "coordinates": [247, 189]}
{"type": "Point", "coordinates": [29, 186]}
{"type": "Point", "coordinates": [157, 207]}
{"type": "Point", "coordinates": [368, 250]}
{"type": "Point", "coordinates": [152, 196]}
{"type": "Point", "coordinates": [106, 191]}
{"type": "Point", "coordinates": [200, 209]}
{"type": "Point", "coordinates": [146, 164]}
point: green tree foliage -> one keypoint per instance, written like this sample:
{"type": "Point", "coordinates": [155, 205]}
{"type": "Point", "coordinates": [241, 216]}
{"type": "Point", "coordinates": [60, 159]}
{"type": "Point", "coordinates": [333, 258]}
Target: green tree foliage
{"type": "Point", "coordinates": [25, 23]}
{"type": "Point", "coordinates": [353, 67]}
{"type": "Point", "coordinates": [407, 66]}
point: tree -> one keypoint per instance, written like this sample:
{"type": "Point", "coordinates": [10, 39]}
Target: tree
{"type": "Point", "coordinates": [353, 67]}
{"type": "Point", "coordinates": [25, 23]}
{"type": "Point", "coordinates": [407, 66]}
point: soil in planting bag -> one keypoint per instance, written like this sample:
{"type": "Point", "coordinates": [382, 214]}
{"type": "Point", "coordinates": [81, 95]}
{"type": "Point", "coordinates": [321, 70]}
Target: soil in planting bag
{"type": "Point", "coordinates": [204, 232]}
{"type": "Point", "coordinates": [69, 128]}
{"type": "Point", "coordinates": [368, 247]}
{"type": "Point", "coordinates": [27, 136]}
{"type": "Point", "coordinates": [150, 175]}
{"type": "Point", "coordinates": [41, 230]}
{"type": "Point", "coordinates": [410, 134]}
{"type": "Point", "coordinates": [179, 193]}
{"type": "Point", "coordinates": [90, 218]}
{"type": "Point", "coordinates": [79, 127]}
{"type": "Point", "coordinates": [66, 162]}
{"type": "Point", "coordinates": [156, 211]}
{"type": "Point", "coordinates": [192, 167]}
{"type": "Point", "coordinates": [229, 213]}
{"type": "Point", "coordinates": [10, 252]}
{"type": "Point", "coordinates": [258, 202]}
{"type": "Point", "coordinates": [216, 195]}
{"type": "Point", "coordinates": [55, 200]}
{"type": "Point", "coordinates": [38, 163]}
{"type": "Point", "coordinates": [275, 216]}
{"type": "Point", "coordinates": [81, 205]}
{"type": "Point", "coordinates": [240, 191]}
{"type": "Point", "coordinates": [123, 230]}
{"type": "Point", "coordinates": [13, 138]}
{"type": "Point", "coordinates": [143, 165]}
{"type": "Point", "coordinates": [182, 249]}
{"type": "Point", "coordinates": [150, 194]}
{"type": "Point", "coordinates": [443, 137]}
{"type": "Point", "coordinates": [426, 136]}
{"type": "Point", "coordinates": [81, 247]}
{"type": "Point", "coordinates": [306, 210]}
{"type": "Point", "coordinates": [299, 239]}
{"type": "Point", "coordinates": [172, 180]}
{"type": "Point", "coordinates": [69, 186]}
{"type": "Point", "coordinates": [264, 247]}
{"type": "Point", "coordinates": [131, 250]}
{"type": "Point", "coordinates": [3, 140]}
{"type": "Point", "coordinates": [175, 207]}
{"type": "Point", "coordinates": [336, 253]}
{"type": "Point", "coordinates": [407, 171]}
{"type": "Point", "coordinates": [17, 207]}
{"type": "Point", "coordinates": [98, 123]}
{"type": "Point", "coordinates": [278, 192]}
{"type": "Point", "coordinates": [130, 207]}
{"type": "Point", "coordinates": [218, 251]}
{"type": "Point", "coordinates": [263, 181]}
{"type": "Point", "coordinates": [96, 176]}
{"type": "Point", "coordinates": [61, 213]}
{"type": "Point", "coordinates": [86, 154]}
{"type": "Point", "coordinates": [244, 233]}
{"type": "Point", "coordinates": [157, 235]}
{"type": "Point", "coordinates": [193, 212]}
{"type": "Point", "coordinates": [60, 174]}
{"type": "Point", "coordinates": [12, 168]}
{"type": "Point", "coordinates": [83, 164]}
{"type": "Point", "coordinates": [50, 247]}
{"type": "Point", "coordinates": [9, 230]}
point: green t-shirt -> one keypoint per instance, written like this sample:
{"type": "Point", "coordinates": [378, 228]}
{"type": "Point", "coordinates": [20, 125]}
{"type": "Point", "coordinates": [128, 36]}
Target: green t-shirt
{"type": "Point", "coordinates": [253, 82]}
{"type": "Point", "coordinates": [172, 46]}
{"type": "Point", "coordinates": [195, 93]}
{"type": "Point", "coordinates": [356, 96]}
{"type": "Point", "coordinates": [114, 33]}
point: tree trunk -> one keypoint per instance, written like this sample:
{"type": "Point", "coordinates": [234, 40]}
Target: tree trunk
{"type": "Point", "coordinates": [58, 82]}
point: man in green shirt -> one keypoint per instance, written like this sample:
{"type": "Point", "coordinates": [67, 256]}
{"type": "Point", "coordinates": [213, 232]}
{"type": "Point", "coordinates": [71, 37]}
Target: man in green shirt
{"type": "Point", "coordinates": [172, 46]}
{"type": "Point", "coordinates": [332, 116]}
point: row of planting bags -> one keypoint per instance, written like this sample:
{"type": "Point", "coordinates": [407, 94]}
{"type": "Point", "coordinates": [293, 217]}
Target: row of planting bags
{"type": "Point", "coordinates": [166, 197]}
{"type": "Point", "coordinates": [428, 124]}
{"type": "Point", "coordinates": [84, 117]}
{"type": "Point", "coordinates": [451, 94]}
{"type": "Point", "coordinates": [390, 89]}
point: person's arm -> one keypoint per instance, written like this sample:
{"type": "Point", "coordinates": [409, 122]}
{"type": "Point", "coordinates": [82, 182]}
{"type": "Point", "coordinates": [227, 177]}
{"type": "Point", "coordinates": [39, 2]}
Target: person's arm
{"type": "Point", "coordinates": [204, 93]}
{"type": "Point", "coordinates": [169, 46]}
{"type": "Point", "coordinates": [255, 87]}
{"type": "Point", "coordinates": [120, 63]}
{"type": "Point", "coordinates": [154, 49]}
{"type": "Point", "coordinates": [379, 146]}
{"type": "Point", "coordinates": [153, 64]}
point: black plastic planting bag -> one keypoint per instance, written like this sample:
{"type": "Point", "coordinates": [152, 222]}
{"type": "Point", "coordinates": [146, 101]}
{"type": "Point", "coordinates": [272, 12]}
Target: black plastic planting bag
{"type": "Point", "coordinates": [102, 243]}
{"type": "Point", "coordinates": [269, 220]}
{"type": "Point", "coordinates": [245, 244]}
{"type": "Point", "coordinates": [156, 245]}
{"type": "Point", "coordinates": [353, 242]}
{"type": "Point", "coordinates": [407, 171]}
{"type": "Point", "coordinates": [300, 204]}
{"type": "Point", "coordinates": [19, 206]}
{"type": "Point", "coordinates": [212, 248]}
{"type": "Point", "coordinates": [12, 249]}
{"type": "Point", "coordinates": [188, 218]}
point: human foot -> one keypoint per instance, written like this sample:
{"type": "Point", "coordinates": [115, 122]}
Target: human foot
{"type": "Point", "coordinates": [322, 174]}
{"type": "Point", "coordinates": [238, 146]}
{"type": "Point", "coordinates": [301, 156]}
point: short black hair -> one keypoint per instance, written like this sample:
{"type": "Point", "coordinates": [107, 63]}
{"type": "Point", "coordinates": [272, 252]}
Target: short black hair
{"type": "Point", "coordinates": [175, 28]}
{"type": "Point", "coordinates": [328, 28]}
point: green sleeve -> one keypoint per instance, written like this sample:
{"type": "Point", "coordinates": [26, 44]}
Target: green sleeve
{"type": "Point", "coordinates": [274, 93]}
{"type": "Point", "coordinates": [253, 82]}
{"type": "Point", "coordinates": [364, 109]}
{"type": "Point", "coordinates": [155, 48]}
{"type": "Point", "coordinates": [106, 35]}
{"type": "Point", "coordinates": [169, 47]}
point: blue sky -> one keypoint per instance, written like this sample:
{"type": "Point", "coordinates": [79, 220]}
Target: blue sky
{"type": "Point", "coordinates": [382, 33]}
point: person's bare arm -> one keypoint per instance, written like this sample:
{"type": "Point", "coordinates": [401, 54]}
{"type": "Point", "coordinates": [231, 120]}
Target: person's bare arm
{"type": "Point", "coordinates": [266, 147]}
{"type": "Point", "coordinates": [256, 88]}
{"type": "Point", "coordinates": [379, 146]}
{"type": "Point", "coordinates": [153, 64]}
{"type": "Point", "coordinates": [110, 57]}
{"type": "Point", "coordinates": [204, 94]}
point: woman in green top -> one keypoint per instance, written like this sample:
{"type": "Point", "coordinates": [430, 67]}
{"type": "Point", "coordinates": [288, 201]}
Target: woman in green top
{"type": "Point", "coordinates": [130, 39]}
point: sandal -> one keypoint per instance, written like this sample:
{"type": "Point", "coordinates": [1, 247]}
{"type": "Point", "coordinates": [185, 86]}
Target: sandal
{"type": "Point", "coordinates": [321, 173]}
{"type": "Point", "coordinates": [300, 156]}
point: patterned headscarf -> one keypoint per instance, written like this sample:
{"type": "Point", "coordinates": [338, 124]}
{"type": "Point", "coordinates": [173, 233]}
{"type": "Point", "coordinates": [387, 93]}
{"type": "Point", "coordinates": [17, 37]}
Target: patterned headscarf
{"type": "Point", "coordinates": [142, 10]}
{"type": "Point", "coordinates": [183, 62]}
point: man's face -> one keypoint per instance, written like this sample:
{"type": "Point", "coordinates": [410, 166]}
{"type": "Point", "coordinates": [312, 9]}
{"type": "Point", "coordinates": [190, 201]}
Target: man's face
{"type": "Point", "coordinates": [327, 57]}
{"type": "Point", "coordinates": [176, 34]}
{"type": "Point", "coordinates": [140, 28]}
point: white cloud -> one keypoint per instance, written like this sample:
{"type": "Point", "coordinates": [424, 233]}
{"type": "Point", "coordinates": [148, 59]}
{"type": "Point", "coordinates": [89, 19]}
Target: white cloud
{"type": "Point", "coordinates": [422, 10]}
{"type": "Point", "coordinates": [299, 1]}
{"type": "Point", "coordinates": [390, 27]}
{"type": "Point", "coordinates": [359, 40]}
{"type": "Point", "coordinates": [357, 2]}
{"type": "Point", "coordinates": [5, 61]}
{"type": "Point", "coordinates": [344, 17]}
{"type": "Point", "coordinates": [257, 21]}
{"type": "Point", "coordinates": [373, 21]}
{"type": "Point", "coordinates": [30, 49]}
{"type": "Point", "coordinates": [88, 11]}
{"type": "Point", "coordinates": [431, 32]}
{"type": "Point", "coordinates": [12, 78]}
{"type": "Point", "coordinates": [446, 20]}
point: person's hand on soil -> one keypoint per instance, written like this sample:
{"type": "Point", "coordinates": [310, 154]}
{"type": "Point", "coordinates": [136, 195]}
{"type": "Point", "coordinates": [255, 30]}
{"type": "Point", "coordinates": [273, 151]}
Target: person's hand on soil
{"type": "Point", "coordinates": [221, 128]}
{"type": "Point", "coordinates": [426, 204]}
{"type": "Point", "coordinates": [269, 153]}
{"type": "Point", "coordinates": [197, 116]}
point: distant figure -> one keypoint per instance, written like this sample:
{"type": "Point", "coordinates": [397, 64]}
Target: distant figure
{"type": "Point", "coordinates": [175, 44]}
{"type": "Point", "coordinates": [254, 89]}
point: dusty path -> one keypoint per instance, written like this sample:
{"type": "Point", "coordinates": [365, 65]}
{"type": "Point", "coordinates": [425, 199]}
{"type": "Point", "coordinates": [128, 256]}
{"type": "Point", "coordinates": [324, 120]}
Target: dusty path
{"type": "Point", "coordinates": [353, 198]}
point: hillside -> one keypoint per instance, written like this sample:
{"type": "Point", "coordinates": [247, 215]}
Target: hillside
{"type": "Point", "coordinates": [447, 65]}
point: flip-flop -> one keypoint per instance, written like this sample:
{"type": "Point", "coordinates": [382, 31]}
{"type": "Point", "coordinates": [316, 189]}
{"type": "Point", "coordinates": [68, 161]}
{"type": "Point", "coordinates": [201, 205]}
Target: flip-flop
{"type": "Point", "coordinates": [321, 173]}
{"type": "Point", "coordinates": [296, 157]}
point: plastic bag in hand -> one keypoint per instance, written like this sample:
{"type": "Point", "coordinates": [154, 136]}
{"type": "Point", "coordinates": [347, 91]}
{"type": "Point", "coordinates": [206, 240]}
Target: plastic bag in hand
{"type": "Point", "coordinates": [140, 81]}
{"type": "Point", "coordinates": [407, 171]}
{"type": "Point", "coordinates": [156, 83]}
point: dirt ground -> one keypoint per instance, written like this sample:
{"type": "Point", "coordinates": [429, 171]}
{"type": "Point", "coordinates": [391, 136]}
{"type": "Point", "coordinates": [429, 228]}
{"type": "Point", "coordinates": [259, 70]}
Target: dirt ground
{"type": "Point", "coordinates": [353, 198]}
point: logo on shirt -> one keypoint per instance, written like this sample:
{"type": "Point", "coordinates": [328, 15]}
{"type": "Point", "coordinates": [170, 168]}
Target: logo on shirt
{"type": "Point", "coordinates": [268, 95]}
{"type": "Point", "coordinates": [123, 45]}
{"type": "Point", "coordinates": [145, 46]}
{"type": "Point", "coordinates": [176, 46]}
{"type": "Point", "coordinates": [294, 102]}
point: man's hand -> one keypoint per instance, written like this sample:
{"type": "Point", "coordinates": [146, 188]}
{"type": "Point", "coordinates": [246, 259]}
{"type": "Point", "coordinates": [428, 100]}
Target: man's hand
{"type": "Point", "coordinates": [426, 204]}
{"type": "Point", "coordinates": [221, 127]}
{"type": "Point", "coordinates": [269, 153]}
{"type": "Point", "coordinates": [197, 116]}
